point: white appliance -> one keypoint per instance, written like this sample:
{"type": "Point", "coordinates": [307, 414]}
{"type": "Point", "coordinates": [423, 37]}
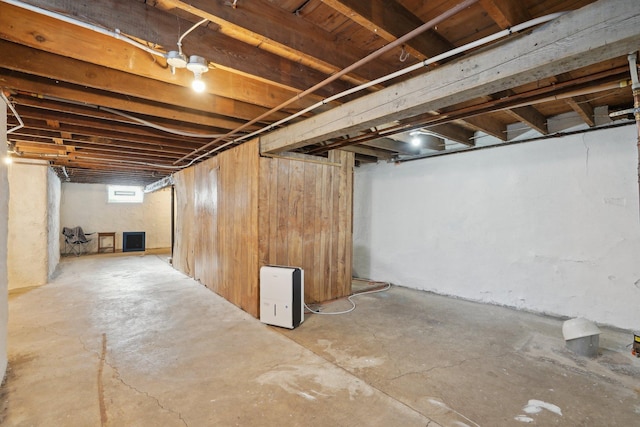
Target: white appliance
{"type": "Point", "coordinates": [282, 296]}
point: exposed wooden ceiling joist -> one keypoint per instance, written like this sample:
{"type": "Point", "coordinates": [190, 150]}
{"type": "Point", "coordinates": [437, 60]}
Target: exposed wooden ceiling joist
{"type": "Point", "coordinates": [63, 80]}
{"type": "Point", "coordinates": [594, 33]}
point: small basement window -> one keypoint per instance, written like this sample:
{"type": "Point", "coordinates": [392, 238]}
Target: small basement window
{"type": "Point", "coordinates": [124, 194]}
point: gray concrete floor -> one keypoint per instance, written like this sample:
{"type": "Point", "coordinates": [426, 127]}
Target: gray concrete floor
{"type": "Point", "coordinates": [129, 341]}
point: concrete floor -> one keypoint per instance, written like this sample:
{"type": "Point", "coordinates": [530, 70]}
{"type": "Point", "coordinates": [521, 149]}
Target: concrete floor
{"type": "Point", "coordinates": [128, 341]}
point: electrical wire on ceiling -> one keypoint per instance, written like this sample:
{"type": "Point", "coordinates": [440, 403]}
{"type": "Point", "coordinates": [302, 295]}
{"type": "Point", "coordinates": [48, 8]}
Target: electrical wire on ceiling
{"type": "Point", "coordinates": [134, 118]}
{"type": "Point", "coordinates": [159, 127]}
{"type": "Point", "coordinates": [350, 299]}
{"type": "Point", "coordinates": [196, 25]}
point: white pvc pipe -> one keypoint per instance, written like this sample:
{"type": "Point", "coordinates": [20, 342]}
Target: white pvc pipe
{"type": "Point", "coordinates": [115, 34]}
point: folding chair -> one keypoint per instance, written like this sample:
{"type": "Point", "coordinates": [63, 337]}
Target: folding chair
{"type": "Point", "coordinates": [75, 240]}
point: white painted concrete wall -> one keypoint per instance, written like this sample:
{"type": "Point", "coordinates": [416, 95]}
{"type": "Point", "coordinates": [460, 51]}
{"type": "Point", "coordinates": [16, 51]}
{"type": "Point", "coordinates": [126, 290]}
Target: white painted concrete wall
{"type": "Point", "coordinates": [28, 223]}
{"type": "Point", "coordinates": [54, 191]}
{"type": "Point", "coordinates": [4, 237]}
{"type": "Point", "coordinates": [549, 226]}
{"type": "Point", "coordinates": [85, 205]}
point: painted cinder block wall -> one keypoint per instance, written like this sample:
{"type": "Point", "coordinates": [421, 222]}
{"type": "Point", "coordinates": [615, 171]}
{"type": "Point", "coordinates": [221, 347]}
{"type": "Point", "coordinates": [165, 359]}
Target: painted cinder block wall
{"type": "Point", "coordinates": [85, 205]}
{"type": "Point", "coordinates": [34, 224]}
{"type": "Point", "coordinates": [550, 226]}
{"type": "Point", "coordinates": [28, 226]}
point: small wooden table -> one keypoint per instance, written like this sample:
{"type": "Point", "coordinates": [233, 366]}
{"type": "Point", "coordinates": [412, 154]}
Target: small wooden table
{"type": "Point", "coordinates": [101, 248]}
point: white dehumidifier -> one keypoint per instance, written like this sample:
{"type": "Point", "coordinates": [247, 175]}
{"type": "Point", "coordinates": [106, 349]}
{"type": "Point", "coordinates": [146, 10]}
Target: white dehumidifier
{"type": "Point", "coordinates": [282, 296]}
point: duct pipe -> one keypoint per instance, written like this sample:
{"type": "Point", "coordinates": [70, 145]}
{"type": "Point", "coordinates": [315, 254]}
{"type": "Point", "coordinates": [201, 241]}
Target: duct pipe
{"type": "Point", "coordinates": [398, 42]}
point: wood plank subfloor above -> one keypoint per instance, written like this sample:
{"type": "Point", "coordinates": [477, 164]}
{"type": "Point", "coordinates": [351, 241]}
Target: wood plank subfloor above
{"type": "Point", "coordinates": [130, 341]}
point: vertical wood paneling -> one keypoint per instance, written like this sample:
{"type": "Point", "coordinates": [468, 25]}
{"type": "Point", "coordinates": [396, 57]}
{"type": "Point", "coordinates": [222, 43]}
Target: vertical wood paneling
{"type": "Point", "coordinates": [310, 211]}
{"type": "Point", "coordinates": [319, 265]}
{"type": "Point", "coordinates": [264, 199]}
{"type": "Point", "coordinates": [206, 210]}
{"type": "Point", "coordinates": [271, 207]}
{"type": "Point", "coordinates": [281, 209]}
{"type": "Point", "coordinates": [344, 238]}
{"type": "Point", "coordinates": [238, 226]}
{"type": "Point", "coordinates": [307, 220]}
{"type": "Point", "coordinates": [237, 212]}
{"type": "Point", "coordinates": [183, 251]}
{"type": "Point", "coordinates": [296, 216]}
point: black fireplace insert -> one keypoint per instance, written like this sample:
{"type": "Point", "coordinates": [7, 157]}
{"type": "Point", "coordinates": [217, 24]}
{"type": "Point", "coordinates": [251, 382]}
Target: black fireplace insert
{"type": "Point", "coordinates": [133, 241]}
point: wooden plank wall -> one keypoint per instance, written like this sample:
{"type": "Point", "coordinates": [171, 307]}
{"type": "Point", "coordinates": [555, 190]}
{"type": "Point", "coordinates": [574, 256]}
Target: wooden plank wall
{"type": "Point", "coordinates": [206, 220]}
{"type": "Point", "coordinates": [238, 227]}
{"type": "Point", "coordinates": [238, 211]}
{"type": "Point", "coordinates": [305, 220]}
{"type": "Point", "coordinates": [184, 244]}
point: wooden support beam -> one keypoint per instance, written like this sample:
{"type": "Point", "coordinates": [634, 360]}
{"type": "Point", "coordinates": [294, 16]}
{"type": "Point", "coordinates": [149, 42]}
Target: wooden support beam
{"type": "Point", "coordinates": [580, 105]}
{"type": "Point", "coordinates": [78, 94]}
{"type": "Point", "coordinates": [229, 56]}
{"type": "Point", "coordinates": [390, 20]}
{"type": "Point", "coordinates": [531, 117]}
{"type": "Point", "coordinates": [85, 135]}
{"type": "Point", "coordinates": [506, 13]}
{"type": "Point", "coordinates": [391, 145]}
{"type": "Point", "coordinates": [264, 24]}
{"type": "Point", "coordinates": [106, 128]}
{"type": "Point", "coordinates": [59, 107]}
{"type": "Point", "coordinates": [454, 133]}
{"type": "Point", "coordinates": [116, 146]}
{"type": "Point", "coordinates": [589, 35]}
{"type": "Point", "coordinates": [85, 149]}
{"type": "Point", "coordinates": [371, 152]}
{"type": "Point", "coordinates": [488, 125]}
{"type": "Point", "coordinates": [303, 158]}
{"type": "Point", "coordinates": [61, 69]}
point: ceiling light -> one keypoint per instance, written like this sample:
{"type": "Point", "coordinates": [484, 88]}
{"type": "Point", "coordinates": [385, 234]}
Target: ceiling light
{"type": "Point", "coordinates": [176, 60]}
{"type": "Point", "coordinates": [197, 84]}
{"type": "Point", "coordinates": [7, 160]}
{"type": "Point", "coordinates": [197, 65]}
{"type": "Point", "coordinates": [415, 141]}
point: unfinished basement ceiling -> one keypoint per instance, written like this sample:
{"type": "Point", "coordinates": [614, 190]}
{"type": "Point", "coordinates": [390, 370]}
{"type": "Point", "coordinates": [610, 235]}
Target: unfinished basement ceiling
{"type": "Point", "coordinates": [98, 108]}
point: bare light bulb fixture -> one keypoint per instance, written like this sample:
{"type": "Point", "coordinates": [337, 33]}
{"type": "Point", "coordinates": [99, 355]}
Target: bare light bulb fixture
{"type": "Point", "coordinates": [176, 60]}
{"type": "Point", "coordinates": [197, 65]}
{"type": "Point", "coordinates": [197, 84]}
{"type": "Point", "coordinates": [415, 138]}
{"type": "Point", "coordinates": [7, 160]}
